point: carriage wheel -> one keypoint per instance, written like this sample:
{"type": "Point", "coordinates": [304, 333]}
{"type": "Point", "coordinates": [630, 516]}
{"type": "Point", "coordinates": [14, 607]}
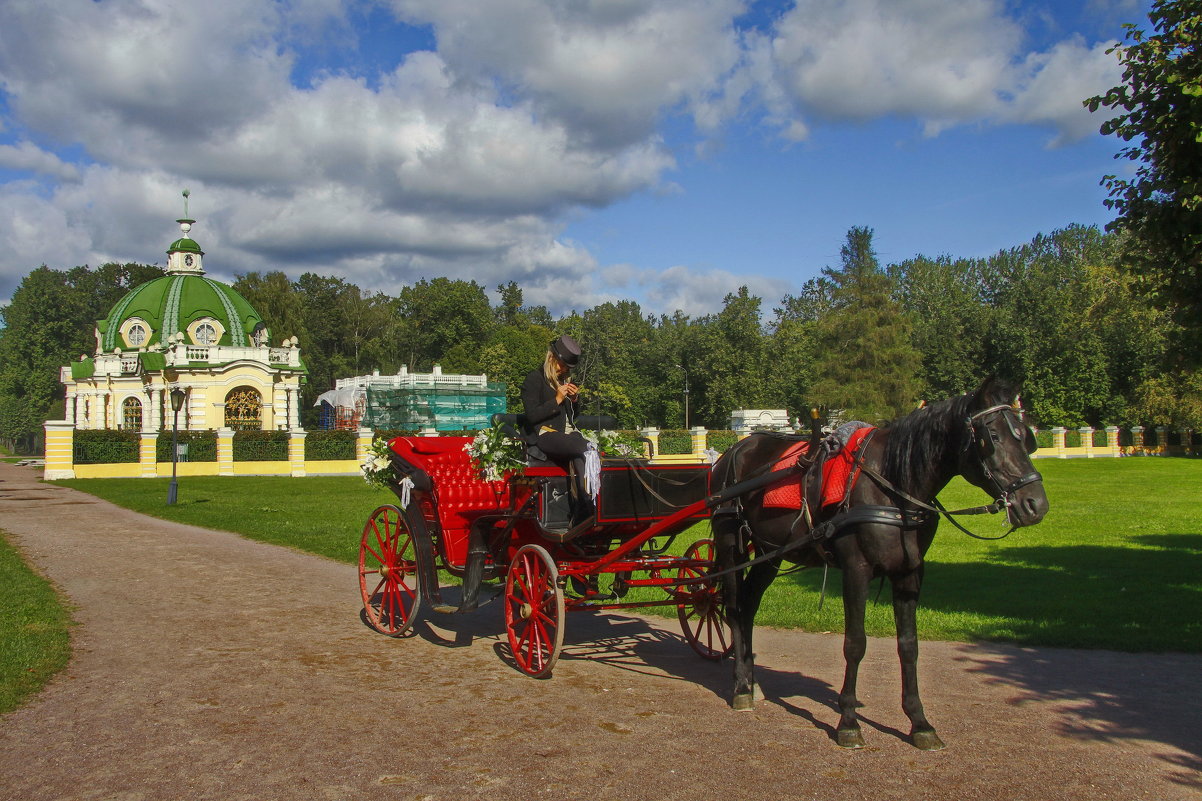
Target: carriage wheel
{"type": "Point", "coordinates": [388, 571]}
{"type": "Point", "coordinates": [700, 608]}
{"type": "Point", "coordinates": [534, 610]}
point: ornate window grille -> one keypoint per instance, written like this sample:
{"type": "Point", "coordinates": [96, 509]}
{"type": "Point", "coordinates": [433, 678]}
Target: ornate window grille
{"type": "Point", "coordinates": [131, 414]}
{"type": "Point", "coordinates": [244, 410]}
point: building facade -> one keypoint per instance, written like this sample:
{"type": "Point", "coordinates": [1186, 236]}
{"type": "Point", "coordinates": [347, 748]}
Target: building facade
{"type": "Point", "coordinates": [186, 332]}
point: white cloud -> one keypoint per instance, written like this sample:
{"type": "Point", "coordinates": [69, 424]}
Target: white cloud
{"type": "Point", "coordinates": [694, 291]}
{"type": "Point", "coordinates": [941, 63]}
{"type": "Point", "coordinates": [608, 69]}
{"type": "Point", "coordinates": [1058, 81]}
{"type": "Point", "coordinates": [30, 157]}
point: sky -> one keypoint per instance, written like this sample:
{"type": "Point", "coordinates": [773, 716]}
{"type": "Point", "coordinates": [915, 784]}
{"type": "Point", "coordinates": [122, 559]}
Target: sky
{"type": "Point", "coordinates": [663, 151]}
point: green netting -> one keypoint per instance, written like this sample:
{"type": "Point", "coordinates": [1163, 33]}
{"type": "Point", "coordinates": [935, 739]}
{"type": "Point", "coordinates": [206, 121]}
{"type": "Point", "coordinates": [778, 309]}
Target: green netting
{"type": "Point", "coordinates": [450, 408]}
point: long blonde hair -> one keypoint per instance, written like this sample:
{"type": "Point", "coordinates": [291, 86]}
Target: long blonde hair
{"type": "Point", "coordinates": [551, 369]}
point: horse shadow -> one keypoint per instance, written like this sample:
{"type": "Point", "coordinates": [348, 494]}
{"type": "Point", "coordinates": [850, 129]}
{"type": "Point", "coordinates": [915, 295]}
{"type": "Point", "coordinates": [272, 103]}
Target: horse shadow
{"type": "Point", "coordinates": [1108, 696]}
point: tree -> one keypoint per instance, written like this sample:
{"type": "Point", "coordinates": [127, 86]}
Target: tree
{"type": "Point", "coordinates": [942, 298]}
{"type": "Point", "coordinates": [730, 369]}
{"type": "Point", "coordinates": [865, 364]}
{"type": "Point", "coordinates": [440, 314]}
{"type": "Point", "coordinates": [1160, 116]}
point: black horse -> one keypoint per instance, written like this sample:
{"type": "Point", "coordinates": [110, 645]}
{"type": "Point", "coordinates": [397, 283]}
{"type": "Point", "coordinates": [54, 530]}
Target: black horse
{"type": "Point", "coordinates": [883, 527]}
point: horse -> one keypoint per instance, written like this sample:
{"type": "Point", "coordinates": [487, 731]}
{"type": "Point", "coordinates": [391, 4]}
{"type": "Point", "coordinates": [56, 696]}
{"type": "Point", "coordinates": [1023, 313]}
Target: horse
{"type": "Point", "coordinates": [882, 527]}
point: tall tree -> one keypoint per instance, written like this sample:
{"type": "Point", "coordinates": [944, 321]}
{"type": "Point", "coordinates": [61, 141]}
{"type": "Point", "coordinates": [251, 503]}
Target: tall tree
{"type": "Point", "coordinates": [1159, 107]}
{"type": "Point", "coordinates": [866, 364]}
{"type": "Point", "coordinates": [942, 298]}
{"type": "Point", "coordinates": [730, 370]}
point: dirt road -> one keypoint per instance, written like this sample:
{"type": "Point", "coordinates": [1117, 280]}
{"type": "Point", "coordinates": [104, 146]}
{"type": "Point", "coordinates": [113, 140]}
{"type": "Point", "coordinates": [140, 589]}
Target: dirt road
{"type": "Point", "coordinates": [207, 666]}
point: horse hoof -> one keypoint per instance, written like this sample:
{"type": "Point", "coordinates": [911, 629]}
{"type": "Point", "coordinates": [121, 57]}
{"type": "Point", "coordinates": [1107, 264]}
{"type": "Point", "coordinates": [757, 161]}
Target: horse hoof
{"type": "Point", "coordinates": [744, 702]}
{"type": "Point", "coordinates": [849, 738]}
{"type": "Point", "coordinates": [927, 741]}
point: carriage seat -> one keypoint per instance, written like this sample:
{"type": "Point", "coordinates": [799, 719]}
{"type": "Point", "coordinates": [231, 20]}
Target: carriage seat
{"type": "Point", "coordinates": [462, 495]}
{"type": "Point", "coordinates": [515, 425]}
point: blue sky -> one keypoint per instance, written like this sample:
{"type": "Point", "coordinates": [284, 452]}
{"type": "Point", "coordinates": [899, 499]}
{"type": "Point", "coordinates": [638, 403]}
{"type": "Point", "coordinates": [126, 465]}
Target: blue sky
{"type": "Point", "coordinates": [666, 151]}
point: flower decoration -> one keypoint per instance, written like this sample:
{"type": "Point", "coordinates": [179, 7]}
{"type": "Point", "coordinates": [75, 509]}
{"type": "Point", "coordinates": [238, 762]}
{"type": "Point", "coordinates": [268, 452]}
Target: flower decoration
{"type": "Point", "coordinates": [615, 443]}
{"type": "Point", "coordinates": [377, 465]}
{"type": "Point", "coordinates": [496, 454]}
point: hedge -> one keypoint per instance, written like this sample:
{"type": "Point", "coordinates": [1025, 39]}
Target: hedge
{"type": "Point", "coordinates": [323, 445]}
{"type": "Point", "coordinates": [202, 446]}
{"type": "Point", "coordinates": [260, 446]}
{"type": "Point", "coordinates": [99, 446]}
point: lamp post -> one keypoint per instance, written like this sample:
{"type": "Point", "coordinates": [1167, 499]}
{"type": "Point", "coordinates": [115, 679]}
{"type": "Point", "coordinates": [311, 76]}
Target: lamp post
{"type": "Point", "coordinates": [686, 396]}
{"type": "Point", "coordinates": [177, 401]}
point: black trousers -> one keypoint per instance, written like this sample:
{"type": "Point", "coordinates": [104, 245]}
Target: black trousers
{"type": "Point", "coordinates": [567, 451]}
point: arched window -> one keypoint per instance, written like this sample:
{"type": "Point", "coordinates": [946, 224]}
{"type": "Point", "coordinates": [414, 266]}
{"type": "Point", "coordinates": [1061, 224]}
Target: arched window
{"type": "Point", "coordinates": [206, 334]}
{"type": "Point", "coordinates": [259, 335]}
{"type": "Point", "coordinates": [131, 414]}
{"type": "Point", "coordinates": [244, 409]}
{"type": "Point", "coordinates": [137, 336]}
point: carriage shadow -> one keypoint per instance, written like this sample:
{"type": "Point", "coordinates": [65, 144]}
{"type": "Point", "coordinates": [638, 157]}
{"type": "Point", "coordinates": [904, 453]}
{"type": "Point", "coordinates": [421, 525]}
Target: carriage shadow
{"type": "Point", "coordinates": [636, 645]}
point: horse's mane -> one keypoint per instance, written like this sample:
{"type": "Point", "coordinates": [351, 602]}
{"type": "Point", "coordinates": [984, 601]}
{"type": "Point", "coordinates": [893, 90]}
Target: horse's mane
{"type": "Point", "coordinates": [919, 441]}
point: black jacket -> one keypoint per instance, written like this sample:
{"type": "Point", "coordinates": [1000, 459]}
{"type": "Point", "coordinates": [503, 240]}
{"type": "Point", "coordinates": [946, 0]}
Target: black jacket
{"type": "Point", "coordinates": [540, 408]}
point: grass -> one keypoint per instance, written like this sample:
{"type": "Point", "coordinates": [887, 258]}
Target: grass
{"type": "Point", "coordinates": [1116, 564]}
{"type": "Point", "coordinates": [34, 638]}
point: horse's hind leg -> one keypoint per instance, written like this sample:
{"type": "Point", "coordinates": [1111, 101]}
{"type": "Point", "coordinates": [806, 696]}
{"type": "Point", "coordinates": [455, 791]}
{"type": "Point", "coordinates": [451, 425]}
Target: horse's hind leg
{"type": "Point", "coordinates": [905, 609]}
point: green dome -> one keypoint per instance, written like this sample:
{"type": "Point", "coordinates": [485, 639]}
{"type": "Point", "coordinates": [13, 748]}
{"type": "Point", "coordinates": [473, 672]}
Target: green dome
{"type": "Point", "coordinates": [171, 304]}
{"type": "Point", "coordinates": [185, 244]}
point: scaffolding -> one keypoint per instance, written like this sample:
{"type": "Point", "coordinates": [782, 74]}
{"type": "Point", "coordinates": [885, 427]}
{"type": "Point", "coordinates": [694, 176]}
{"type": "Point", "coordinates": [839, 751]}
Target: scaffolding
{"type": "Point", "coordinates": [413, 401]}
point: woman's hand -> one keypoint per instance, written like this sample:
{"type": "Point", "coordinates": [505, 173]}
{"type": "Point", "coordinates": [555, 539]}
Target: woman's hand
{"type": "Point", "coordinates": [568, 390]}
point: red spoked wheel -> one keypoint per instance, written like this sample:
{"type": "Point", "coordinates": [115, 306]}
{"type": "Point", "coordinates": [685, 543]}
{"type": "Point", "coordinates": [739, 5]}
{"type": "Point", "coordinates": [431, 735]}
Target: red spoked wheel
{"type": "Point", "coordinates": [534, 610]}
{"type": "Point", "coordinates": [700, 608]}
{"type": "Point", "coordinates": [388, 571]}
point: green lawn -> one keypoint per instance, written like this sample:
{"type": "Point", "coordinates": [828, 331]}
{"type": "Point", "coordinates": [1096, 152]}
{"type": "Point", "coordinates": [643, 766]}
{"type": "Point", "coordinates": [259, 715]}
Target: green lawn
{"type": "Point", "coordinates": [34, 641]}
{"type": "Point", "coordinates": [1116, 564]}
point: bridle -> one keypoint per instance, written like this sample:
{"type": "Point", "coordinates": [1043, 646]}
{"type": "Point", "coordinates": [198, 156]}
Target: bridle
{"type": "Point", "coordinates": [981, 435]}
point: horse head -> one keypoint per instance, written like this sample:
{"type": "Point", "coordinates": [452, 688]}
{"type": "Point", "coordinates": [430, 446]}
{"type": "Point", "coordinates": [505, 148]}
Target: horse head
{"type": "Point", "coordinates": [996, 455]}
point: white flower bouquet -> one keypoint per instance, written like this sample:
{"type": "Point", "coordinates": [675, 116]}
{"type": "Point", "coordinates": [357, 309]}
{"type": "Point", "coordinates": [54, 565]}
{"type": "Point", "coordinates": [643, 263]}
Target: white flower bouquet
{"type": "Point", "coordinates": [377, 465]}
{"type": "Point", "coordinates": [496, 454]}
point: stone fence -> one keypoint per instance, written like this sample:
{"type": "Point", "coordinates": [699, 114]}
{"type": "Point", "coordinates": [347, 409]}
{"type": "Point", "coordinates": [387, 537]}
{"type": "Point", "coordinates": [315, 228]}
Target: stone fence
{"type": "Point", "coordinates": [1088, 443]}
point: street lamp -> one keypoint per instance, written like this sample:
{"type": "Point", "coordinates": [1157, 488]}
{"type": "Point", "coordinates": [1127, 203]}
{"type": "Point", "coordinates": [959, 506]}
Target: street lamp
{"type": "Point", "coordinates": [686, 396]}
{"type": "Point", "coordinates": [177, 401]}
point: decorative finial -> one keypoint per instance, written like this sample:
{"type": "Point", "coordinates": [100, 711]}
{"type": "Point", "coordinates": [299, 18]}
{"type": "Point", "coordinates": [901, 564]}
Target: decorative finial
{"type": "Point", "coordinates": [186, 194]}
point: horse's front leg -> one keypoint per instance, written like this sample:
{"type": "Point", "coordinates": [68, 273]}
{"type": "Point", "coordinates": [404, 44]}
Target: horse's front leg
{"type": "Point", "coordinates": [855, 643]}
{"type": "Point", "coordinates": [727, 528]}
{"type": "Point", "coordinates": [905, 615]}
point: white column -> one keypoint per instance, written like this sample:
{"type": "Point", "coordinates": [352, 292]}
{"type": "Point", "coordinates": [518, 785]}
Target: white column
{"type": "Point", "coordinates": [294, 408]}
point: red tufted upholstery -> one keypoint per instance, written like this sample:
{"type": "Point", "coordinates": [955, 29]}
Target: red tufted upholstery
{"type": "Point", "coordinates": [460, 493]}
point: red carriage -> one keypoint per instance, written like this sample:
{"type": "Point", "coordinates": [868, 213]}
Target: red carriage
{"type": "Point", "coordinates": [517, 528]}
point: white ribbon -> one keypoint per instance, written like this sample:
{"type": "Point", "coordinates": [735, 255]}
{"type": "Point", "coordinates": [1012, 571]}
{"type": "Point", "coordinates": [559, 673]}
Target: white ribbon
{"type": "Point", "coordinates": [406, 488]}
{"type": "Point", "coordinates": [592, 471]}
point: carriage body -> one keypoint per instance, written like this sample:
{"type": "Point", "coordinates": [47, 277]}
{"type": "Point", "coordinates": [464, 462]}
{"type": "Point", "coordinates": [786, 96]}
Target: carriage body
{"type": "Point", "coordinates": [520, 525]}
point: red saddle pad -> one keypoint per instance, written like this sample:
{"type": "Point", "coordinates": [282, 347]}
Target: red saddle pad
{"type": "Point", "coordinates": [836, 473]}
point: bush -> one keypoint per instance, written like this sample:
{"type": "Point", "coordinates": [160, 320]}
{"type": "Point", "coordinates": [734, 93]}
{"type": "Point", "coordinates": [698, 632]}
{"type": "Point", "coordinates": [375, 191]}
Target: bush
{"type": "Point", "coordinates": [106, 447]}
{"type": "Point", "coordinates": [720, 440]}
{"type": "Point", "coordinates": [202, 446]}
{"type": "Point", "coordinates": [260, 446]}
{"type": "Point", "coordinates": [677, 441]}
{"type": "Point", "coordinates": [322, 445]}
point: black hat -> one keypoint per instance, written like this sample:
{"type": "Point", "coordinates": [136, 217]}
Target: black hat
{"type": "Point", "coordinates": [567, 350]}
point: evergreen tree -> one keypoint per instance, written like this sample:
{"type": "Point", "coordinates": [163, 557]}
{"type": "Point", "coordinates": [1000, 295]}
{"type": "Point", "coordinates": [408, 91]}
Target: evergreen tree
{"type": "Point", "coordinates": [866, 364]}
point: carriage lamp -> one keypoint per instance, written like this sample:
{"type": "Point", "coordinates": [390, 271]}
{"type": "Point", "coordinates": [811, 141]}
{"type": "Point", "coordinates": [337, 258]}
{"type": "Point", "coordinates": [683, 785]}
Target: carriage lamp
{"type": "Point", "coordinates": [177, 402]}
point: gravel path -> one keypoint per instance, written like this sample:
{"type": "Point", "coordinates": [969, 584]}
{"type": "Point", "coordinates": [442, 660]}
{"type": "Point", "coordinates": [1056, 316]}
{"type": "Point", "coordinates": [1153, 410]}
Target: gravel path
{"type": "Point", "coordinates": [207, 666]}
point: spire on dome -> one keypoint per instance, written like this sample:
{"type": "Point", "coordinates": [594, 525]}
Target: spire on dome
{"type": "Point", "coordinates": [184, 255]}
